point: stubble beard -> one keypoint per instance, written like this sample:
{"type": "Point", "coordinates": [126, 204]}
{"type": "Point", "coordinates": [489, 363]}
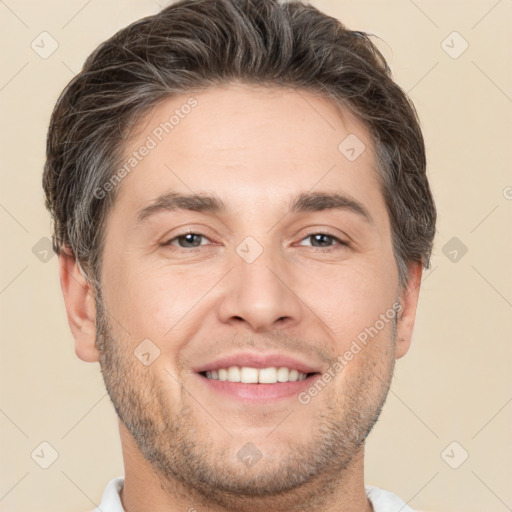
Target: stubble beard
{"type": "Point", "coordinates": [171, 440]}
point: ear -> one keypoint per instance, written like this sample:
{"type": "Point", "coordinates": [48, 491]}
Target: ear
{"type": "Point", "coordinates": [407, 314]}
{"type": "Point", "coordinates": [80, 306]}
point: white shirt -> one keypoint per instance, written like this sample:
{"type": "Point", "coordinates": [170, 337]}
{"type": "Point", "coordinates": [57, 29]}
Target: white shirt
{"type": "Point", "coordinates": [382, 501]}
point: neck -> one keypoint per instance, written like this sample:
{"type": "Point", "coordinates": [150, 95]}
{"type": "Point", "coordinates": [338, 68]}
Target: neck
{"type": "Point", "coordinates": [146, 490]}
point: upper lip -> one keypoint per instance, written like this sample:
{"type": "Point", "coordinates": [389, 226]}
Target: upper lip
{"type": "Point", "coordinates": [258, 360]}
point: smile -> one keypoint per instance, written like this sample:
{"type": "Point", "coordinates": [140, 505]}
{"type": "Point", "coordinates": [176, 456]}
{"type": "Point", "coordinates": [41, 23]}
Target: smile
{"type": "Point", "coordinates": [249, 375]}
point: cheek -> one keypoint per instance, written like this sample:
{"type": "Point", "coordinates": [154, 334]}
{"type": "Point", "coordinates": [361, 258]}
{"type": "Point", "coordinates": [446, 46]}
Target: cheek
{"type": "Point", "coordinates": [348, 299]}
{"type": "Point", "coordinates": [159, 301]}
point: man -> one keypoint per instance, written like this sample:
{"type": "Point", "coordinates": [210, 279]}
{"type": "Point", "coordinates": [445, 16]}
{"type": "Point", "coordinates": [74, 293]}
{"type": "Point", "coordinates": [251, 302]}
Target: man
{"type": "Point", "coordinates": [242, 216]}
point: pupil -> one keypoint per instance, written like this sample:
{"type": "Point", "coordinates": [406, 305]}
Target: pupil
{"type": "Point", "coordinates": [189, 240]}
{"type": "Point", "coordinates": [322, 239]}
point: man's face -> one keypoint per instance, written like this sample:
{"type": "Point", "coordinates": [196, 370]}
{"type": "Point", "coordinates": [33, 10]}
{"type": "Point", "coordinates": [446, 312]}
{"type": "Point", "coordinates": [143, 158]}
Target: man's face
{"type": "Point", "coordinates": [258, 279]}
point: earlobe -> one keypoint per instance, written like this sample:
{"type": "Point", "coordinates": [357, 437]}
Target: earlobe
{"type": "Point", "coordinates": [407, 313]}
{"type": "Point", "coordinates": [80, 306]}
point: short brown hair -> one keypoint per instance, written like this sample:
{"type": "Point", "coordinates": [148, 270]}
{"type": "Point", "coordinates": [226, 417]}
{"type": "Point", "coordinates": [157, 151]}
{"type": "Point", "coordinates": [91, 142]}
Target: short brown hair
{"type": "Point", "coordinates": [193, 44]}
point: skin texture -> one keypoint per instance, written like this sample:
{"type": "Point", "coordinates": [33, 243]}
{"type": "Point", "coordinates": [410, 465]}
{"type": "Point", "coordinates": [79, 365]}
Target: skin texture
{"type": "Point", "coordinates": [255, 148]}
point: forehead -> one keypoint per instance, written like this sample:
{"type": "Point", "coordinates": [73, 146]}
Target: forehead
{"type": "Point", "coordinates": [250, 145]}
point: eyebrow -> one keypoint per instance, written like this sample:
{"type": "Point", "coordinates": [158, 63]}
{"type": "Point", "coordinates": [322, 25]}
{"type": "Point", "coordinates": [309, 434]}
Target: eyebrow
{"type": "Point", "coordinates": [305, 202]}
{"type": "Point", "coordinates": [317, 201]}
{"type": "Point", "coordinates": [175, 201]}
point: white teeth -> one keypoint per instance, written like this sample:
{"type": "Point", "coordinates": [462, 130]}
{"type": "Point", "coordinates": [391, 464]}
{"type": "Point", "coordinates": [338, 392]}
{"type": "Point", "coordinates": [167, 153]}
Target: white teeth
{"type": "Point", "coordinates": [248, 375]}
{"type": "Point", "coordinates": [233, 374]}
{"type": "Point", "coordinates": [269, 375]}
{"type": "Point", "coordinates": [286, 375]}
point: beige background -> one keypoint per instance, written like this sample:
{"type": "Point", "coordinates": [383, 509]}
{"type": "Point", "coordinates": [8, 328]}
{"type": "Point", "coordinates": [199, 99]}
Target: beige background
{"type": "Point", "coordinates": [455, 383]}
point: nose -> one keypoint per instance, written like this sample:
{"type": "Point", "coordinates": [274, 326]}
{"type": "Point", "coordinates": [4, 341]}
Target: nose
{"type": "Point", "coordinates": [260, 295]}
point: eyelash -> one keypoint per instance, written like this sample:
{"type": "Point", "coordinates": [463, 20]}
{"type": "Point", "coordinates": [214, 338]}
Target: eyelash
{"type": "Point", "coordinates": [338, 241]}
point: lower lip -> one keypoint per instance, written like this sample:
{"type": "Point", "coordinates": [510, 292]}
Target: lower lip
{"type": "Point", "coordinates": [260, 392]}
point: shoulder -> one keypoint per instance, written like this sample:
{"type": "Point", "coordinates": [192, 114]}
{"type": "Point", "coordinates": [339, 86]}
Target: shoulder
{"type": "Point", "coordinates": [111, 501]}
{"type": "Point", "coordinates": [385, 501]}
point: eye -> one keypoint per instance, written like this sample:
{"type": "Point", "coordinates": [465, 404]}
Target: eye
{"type": "Point", "coordinates": [187, 240]}
{"type": "Point", "coordinates": [323, 240]}
{"type": "Point", "coordinates": [191, 240]}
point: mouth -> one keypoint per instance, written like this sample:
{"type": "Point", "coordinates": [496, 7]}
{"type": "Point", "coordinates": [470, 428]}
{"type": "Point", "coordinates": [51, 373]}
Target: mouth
{"type": "Point", "coordinates": [250, 375]}
{"type": "Point", "coordinates": [256, 385]}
